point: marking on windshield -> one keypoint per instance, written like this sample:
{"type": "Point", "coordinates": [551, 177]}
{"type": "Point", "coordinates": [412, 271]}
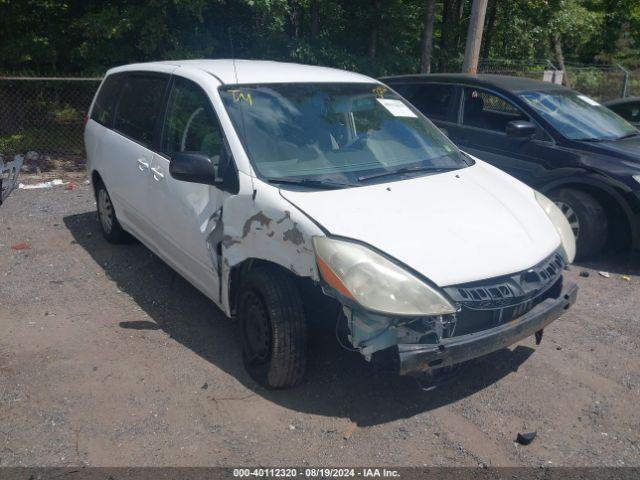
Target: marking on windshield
{"type": "Point", "coordinates": [380, 90]}
{"type": "Point", "coordinates": [239, 95]}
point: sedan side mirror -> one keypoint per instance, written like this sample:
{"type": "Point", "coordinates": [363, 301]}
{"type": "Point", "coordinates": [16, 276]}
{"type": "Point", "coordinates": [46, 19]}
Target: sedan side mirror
{"type": "Point", "coordinates": [193, 167]}
{"type": "Point", "coordinates": [520, 129]}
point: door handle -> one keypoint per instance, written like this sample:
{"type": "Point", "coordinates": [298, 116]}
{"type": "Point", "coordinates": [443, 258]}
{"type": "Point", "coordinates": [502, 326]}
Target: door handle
{"type": "Point", "coordinates": [143, 164]}
{"type": "Point", "coordinates": [157, 174]}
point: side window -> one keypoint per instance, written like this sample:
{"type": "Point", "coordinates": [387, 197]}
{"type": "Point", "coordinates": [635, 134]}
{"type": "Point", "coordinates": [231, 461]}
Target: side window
{"type": "Point", "coordinates": [629, 111]}
{"type": "Point", "coordinates": [190, 124]}
{"type": "Point", "coordinates": [105, 103]}
{"type": "Point", "coordinates": [433, 100]}
{"type": "Point", "coordinates": [139, 107]}
{"type": "Point", "coordinates": [483, 109]}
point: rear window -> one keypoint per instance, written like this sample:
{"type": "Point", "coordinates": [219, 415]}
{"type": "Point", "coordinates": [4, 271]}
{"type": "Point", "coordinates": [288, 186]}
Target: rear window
{"type": "Point", "coordinates": [139, 107]}
{"type": "Point", "coordinates": [105, 104]}
{"type": "Point", "coordinates": [433, 100]}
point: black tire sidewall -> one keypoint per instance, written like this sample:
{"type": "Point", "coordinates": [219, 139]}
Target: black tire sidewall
{"type": "Point", "coordinates": [591, 217]}
{"type": "Point", "coordinates": [283, 304]}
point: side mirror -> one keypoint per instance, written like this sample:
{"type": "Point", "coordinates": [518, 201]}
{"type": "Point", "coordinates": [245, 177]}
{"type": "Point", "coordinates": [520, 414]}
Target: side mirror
{"type": "Point", "coordinates": [193, 167]}
{"type": "Point", "coordinates": [520, 129]}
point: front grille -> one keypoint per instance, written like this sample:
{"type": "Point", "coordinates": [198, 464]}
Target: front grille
{"type": "Point", "coordinates": [488, 303]}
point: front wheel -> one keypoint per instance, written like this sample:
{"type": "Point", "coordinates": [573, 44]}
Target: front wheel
{"type": "Point", "coordinates": [273, 328]}
{"type": "Point", "coordinates": [587, 218]}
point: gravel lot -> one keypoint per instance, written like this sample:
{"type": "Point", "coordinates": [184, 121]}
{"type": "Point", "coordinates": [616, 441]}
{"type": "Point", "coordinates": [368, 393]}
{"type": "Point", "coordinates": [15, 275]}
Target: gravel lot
{"type": "Point", "coordinates": [109, 358]}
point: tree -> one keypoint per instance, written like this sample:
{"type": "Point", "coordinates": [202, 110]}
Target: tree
{"type": "Point", "coordinates": [426, 44]}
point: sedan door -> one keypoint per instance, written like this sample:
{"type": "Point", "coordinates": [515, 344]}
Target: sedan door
{"type": "Point", "coordinates": [484, 116]}
{"type": "Point", "coordinates": [187, 214]}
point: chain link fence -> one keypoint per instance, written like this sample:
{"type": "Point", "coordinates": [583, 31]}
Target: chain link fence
{"type": "Point", "coordinates": [602, 82]}
{"type": "Point", "coordinates": [42, 120]}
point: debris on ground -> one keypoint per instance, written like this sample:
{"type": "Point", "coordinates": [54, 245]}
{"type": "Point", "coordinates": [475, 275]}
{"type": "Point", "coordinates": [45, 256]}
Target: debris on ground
{"type": "Point", "coordinates": [205, 386]}
{"type": "Point", "coordinates": [626, 278]}
{"type": "Point", "coordinates": [71, 186]}
{"type": "Point", "coordinates": [21, 246]}
{"type": "Point", "coordinates": [526, 438]}
{"type": "Point", "coordinates": [49, 184]}
{"type": "Point", "coordinates": [604, 274]}
{"type": "Point", "coordinates": [584, 273]}
{"type": "Point", "coordinates": [9, 172]}
{"type": "Point", "coordinates": [348, 433]}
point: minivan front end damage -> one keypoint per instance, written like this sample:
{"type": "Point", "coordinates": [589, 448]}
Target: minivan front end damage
{"type": "Point", "coordinates": [491, 315]}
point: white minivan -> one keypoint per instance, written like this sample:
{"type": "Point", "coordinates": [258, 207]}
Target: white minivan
{"type": "Point", "coordinates": [265, 183]}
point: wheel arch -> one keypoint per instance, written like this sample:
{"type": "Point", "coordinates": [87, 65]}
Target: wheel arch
{"type": "Point", "coordinates": [238, 271]}
{"type": "Point", "coordinates": [622, 231]}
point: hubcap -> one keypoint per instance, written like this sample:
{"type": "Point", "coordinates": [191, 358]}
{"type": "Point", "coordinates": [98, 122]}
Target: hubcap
{"type": "Point", "coordinates": [257, 330]}
{"type": "Point", "coordinates": [571, 217]}
{"type": "Point", "coordinates": [105, 210]}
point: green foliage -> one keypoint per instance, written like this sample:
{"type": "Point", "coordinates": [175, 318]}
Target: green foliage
{"type": "Point", "coordinates": [89, 36]}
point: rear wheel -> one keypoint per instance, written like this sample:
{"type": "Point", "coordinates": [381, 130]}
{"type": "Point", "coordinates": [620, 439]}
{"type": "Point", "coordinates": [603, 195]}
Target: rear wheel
{"type": "Point", "coordinates": [273, 328]}
{"type": "Point", "coordinates": [587, 218]}
{"type": "Point", "coordinates": [109, 224]}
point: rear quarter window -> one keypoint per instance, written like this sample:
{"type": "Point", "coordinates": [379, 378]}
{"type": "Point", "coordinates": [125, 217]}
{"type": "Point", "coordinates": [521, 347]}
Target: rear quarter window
{"type": "Point", "coordinates": [139, 107]}
{"type": "Point", "coordinates": [105, 103]}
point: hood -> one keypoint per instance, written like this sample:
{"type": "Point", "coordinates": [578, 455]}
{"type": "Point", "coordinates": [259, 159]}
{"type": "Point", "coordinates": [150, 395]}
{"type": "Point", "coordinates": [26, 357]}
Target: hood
{"type": "Point", "coordinates": [455, 227]}
{"type": "Point", "coordinates": [627, 148]}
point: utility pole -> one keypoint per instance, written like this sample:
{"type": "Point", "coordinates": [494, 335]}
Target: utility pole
{"type": "Point", "coordinates": [426, 43]}
{"type": "Point", "coordinates": [474, 37]}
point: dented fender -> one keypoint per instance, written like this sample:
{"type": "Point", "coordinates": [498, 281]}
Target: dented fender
{"type": "Point", "coordinates": [261, 224]}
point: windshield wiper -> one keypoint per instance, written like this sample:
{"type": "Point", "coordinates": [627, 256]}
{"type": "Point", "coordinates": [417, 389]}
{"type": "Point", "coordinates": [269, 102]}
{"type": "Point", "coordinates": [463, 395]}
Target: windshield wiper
{"type": "Point", "coordinates": [628, 135]}
{"type": "Point", "coordinates": [309, 182]}
{"type": "Point", "coordinates": [404, 170]}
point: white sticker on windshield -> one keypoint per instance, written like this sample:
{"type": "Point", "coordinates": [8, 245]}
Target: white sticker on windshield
{"type": "Point", "coordinates": [396, 107]}
{"type": "Point", "coordinates": [590, 101]}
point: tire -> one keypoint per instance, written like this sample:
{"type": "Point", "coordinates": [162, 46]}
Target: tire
{"type": "Point", "coordinates": [587, 218]}
{"type": "Point", "coordinates": [109, 224]}
{"type": "Point", "coordinates": [273, 328]}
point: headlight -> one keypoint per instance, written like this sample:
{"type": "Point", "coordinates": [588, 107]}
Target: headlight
{"type": "Point", "coordinates": [562, 226]}
{"type": "Point", "coordinates": [366, 277]}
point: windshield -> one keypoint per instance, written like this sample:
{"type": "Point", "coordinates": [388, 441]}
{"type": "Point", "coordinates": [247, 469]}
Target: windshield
{"type": "Point", "coordinates": [344, 133]}
{"type": "Point", "coordinates": [577, 116]}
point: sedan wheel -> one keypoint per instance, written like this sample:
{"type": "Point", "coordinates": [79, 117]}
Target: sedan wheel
{"type": "Point", "coordinates": [571, 217]}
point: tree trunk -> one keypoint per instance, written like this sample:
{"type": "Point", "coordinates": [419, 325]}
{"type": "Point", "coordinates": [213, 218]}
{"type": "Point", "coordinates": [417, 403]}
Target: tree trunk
{"type": "Point", "coordinates": [474, 37]}
{"type": "Point", "coordinates": [490, 30]}
{"type": "Point", "coordinates": [294, 18]}
{"type": "Point", "coordinates": [450, 32]}
{"type": "Point", "coordinates": [426, 45]}
{"type": "Point", "coordinates": [556, 41]}
{"type": "Point", "coordinates": [315, 19]}
{"type": "Point", "coordinates": [375, 27]}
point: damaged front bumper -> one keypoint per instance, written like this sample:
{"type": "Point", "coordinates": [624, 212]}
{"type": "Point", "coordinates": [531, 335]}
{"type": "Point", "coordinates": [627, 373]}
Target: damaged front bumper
{"type": "Point", "coordinates": [9, 172]}
{"type": "Point", "coordinates": [423, 344]}
{"type": "Point", "coordinates": [418, 358]}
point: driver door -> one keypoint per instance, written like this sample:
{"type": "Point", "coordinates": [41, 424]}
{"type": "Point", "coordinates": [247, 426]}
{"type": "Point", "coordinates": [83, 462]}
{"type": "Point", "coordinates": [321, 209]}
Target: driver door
{"type": "Point", "coordinates": [185, 214]}
{"type": "Point", "coordinates": [483, 133]}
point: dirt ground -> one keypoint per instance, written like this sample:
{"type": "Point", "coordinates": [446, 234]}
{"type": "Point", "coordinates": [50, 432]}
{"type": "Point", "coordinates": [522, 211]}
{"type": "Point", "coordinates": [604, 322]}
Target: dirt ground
{"type": "Point", "coordinates": [109, 358]}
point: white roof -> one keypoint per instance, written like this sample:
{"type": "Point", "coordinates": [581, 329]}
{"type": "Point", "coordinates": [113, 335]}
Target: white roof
{"type": "Point", "coordinates": [257, 71]}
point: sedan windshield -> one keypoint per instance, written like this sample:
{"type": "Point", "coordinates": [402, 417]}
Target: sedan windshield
{"type": "Point", "coordinates": [342, 134]}
{"type": "Point", "coordinates": [578, 117]}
